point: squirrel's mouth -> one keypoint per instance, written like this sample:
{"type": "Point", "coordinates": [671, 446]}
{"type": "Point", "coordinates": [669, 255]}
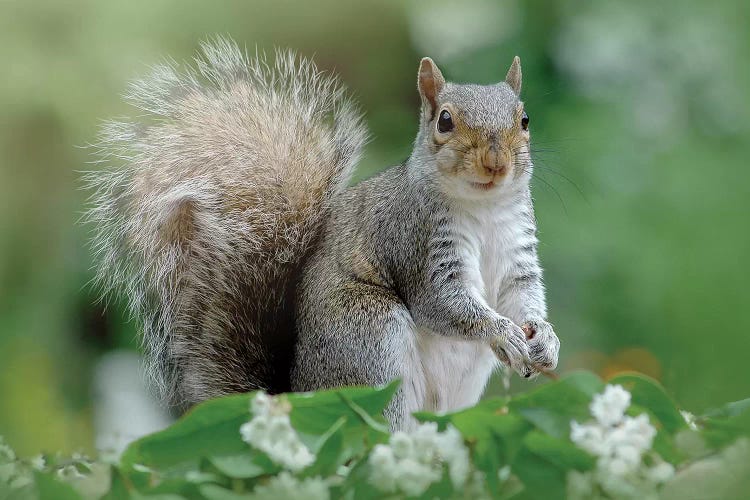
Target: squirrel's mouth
{"type": "Point", "coordinates": [483, 186]}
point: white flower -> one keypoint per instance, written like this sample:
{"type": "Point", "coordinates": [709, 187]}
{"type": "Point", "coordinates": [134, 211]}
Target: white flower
{"type": "Point", "coordinates": [401, 445]}
{"type": "Point", "coordinates": [424, 438]}
{"type": "Point", "coordinates": [616, 466]}
{"type": "Point", "coordinates": [689, 420]}
{"type": "Point", "coordinates": [37, 462]}
{"type": "Point", "coordinates": [609, 407]}
{"type": "Point", "coordinates": [7, 462]}
{"type": "Point", "coordinates": [20, 480]}
{"type": "Point", "coordinates": [619, 442]}
{"type": "Point", "coordinates": [383, 469]}
{"type": "Point", "coordinates": [589, 437]}
{"type": "Point", "coordinates": [12, 473]}
{"type": "Point", "coordinates": [411, 463]}
{"type": "Point", "coordinates": [618, 486]}
{"type": "Point", "coordinates": [476, 485]}
{"type": "Point", "coordinates": [288, 487]}
{"type": "Point", "coordinates": [7, 454]}
{"type": "Point", "coordinates": [638, 432]}
{"type": "Point", "coordinates": [80, 457]}
{"type": "Point", "coordinates": [271, 432]}
{"type": "Point", "coordinates": [580, 485]}
{"type": "Point", "coordinates": [261, 403]}
{"type": "Point", "coordinates": [630, 455]}
{"type": "Point", "coordinates": [69, 473]}
{"type": "Point", "coordinates": [382, 457]}
{"type": "Point", "coordinates": [456, 455]}
{"type": "Point", "coordinates": [661, 472]}
{"type": "Point", "coordinates": [503, 473]}
{"type": "Point", "coordinates": [344, 470]}
{"type": "Point", "coordinates": [415, 477]}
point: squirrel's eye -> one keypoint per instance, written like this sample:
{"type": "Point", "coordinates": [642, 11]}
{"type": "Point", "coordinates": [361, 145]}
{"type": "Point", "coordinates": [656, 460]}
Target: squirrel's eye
{"type": "Point", "coordinates": [445, 122]}
{"type": "Point", "coordinates": [525, 121]}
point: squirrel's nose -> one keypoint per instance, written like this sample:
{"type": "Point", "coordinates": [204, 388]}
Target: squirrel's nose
{"type": "Point", "coordinates": [495, 167]}
{"type": "Point", "coordinates": [494, 161]}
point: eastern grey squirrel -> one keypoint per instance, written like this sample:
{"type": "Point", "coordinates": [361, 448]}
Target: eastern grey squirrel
{"type": "Point", "coordinates": [251, 263]}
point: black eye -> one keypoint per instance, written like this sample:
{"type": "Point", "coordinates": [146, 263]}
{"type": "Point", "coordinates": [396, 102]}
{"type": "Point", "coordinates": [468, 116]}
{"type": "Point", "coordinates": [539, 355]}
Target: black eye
{"type": "Point", "coordinates": [445, 122]}
{"type": "Point", "coordinates": [525, 121]}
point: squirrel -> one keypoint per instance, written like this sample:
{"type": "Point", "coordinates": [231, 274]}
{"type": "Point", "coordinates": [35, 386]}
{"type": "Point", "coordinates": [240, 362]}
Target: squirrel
{"type": "Point", "coordinates": [230, 225]}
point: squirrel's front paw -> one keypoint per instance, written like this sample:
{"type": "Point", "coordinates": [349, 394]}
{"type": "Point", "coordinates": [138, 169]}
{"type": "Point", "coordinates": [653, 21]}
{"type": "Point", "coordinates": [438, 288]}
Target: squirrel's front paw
{"type": "Point", "coordinates": [544, 346]}
{"type": "Point", "coordinates": [511, 347]}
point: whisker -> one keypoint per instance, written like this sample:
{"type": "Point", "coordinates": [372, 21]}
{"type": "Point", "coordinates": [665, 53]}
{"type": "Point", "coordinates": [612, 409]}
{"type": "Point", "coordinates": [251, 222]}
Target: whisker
{"type": "Point", "coordinates": [525, 152]}
{"type": "Point", "coordinates": [551, 187]}
{"type": "Point", "coordinates": [547, 184]}
{"type": "Point", "coordinates": [547, 168]}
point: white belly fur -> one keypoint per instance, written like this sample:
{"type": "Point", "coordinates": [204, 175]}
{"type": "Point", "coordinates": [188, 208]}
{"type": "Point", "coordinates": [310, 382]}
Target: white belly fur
{"type": "Point", "coordinates": [446, 374]}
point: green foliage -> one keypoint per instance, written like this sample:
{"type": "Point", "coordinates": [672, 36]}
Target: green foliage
{"type": "Point", "coordinates": [209, 430]}
{"type": "Point", "coordinates": [519, 448]}
{"type": "Point", "coordinates": [639, 123]}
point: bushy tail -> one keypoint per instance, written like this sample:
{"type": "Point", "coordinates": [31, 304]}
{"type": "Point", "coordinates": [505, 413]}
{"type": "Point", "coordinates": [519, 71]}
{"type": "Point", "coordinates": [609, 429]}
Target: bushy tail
{"type": "Point", "coordinates": [214, 199]}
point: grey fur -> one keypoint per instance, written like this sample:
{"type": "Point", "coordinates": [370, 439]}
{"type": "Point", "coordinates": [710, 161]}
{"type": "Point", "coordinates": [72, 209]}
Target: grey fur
{"type": "Point", "coordinates": [210, 207]}
{"type": "Point", "coordinates": [389, 273]}
{"type": "Point", "coordinates": [238, 183]}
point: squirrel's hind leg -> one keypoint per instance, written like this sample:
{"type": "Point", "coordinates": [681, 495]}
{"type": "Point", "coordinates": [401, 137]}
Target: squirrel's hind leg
{"type": "Point", "coordinates": [355, 333]}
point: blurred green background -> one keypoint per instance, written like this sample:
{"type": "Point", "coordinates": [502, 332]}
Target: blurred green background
{"type": "Point", "coordinates": [640, 121]}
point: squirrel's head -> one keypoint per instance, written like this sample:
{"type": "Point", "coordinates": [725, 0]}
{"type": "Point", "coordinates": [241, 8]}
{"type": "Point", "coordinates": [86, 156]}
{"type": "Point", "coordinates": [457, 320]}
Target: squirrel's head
{"type": "Point", "coordinates": [473, 139]}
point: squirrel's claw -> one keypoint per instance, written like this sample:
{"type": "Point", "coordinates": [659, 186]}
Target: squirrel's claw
{"type": "Point", "coordinates": [511, 348]}
{"type": "Point", "coordinates": [544, 346]}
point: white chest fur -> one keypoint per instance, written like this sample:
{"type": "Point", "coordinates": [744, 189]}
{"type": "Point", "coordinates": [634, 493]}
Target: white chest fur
{"type": "Point", "coordinates": [488, 238]}
{"type": "Point", "coordinates": [453, 373]}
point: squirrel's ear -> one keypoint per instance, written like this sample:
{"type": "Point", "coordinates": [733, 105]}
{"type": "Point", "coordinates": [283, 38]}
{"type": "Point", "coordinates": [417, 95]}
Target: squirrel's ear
{"type": "Point", "coordinates": [430, 83]}
{"type": "Point", "coordinates": [513, 78]}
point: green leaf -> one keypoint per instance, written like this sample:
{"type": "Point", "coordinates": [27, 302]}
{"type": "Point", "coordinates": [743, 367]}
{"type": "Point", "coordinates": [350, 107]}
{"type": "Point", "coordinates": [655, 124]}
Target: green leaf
{"type": "Point", "coordinates": [721, 426]}
{"type": "Point", "coordinates": [211, 428]}
{"type": "Point", "coordinates": [172, 488]}
{"type": "Point", "coordinates": [315, 413]}
{"type": "Point", "coordinates": [510, 488]}
{"type": "Point", "coordinates": [663, 441]}
{"type": "Point", "coordinates": [733, 409]}
{"type": "Point", "coordinates": [440, 489]}
{"type": "Point", "coordinates": [329, 452]}
{"type": "Point", "coordinates": [243, 465]}
{"type": "Point", "coordinates": [138, 477]}
{"type": "Point", "coordinates": [362, 414]}
{"type": "Point", "coordinates": [50, 488]}
{"type": "Point", "coordinates": [489, 455]}
{"type": "Point", "coordinates": [213, 492]}
{"type": "Point", "coordinates": [494, 436]}
{"type": "Point", "coordinates": [586, 382]}
{"type": "Point", "coordinates": [160, 496]}
{"type": "Point", "coordinates": [540, 478]}
{"type": "Point", "coordinates": [357, 482]}
{"type": "Point", "coordinates": [551, 407]}
{"type": "Point", "coordinates": [720, 432]}
{"type": "Point", "coordinates": [480, 428]}
{"type": "Point", "coordinates": [649, 394]}
{"type": "Point", "coordinates": [125, 487]}
{"type": "Point", "coordinates": [119, 487]}
{"type": "Point", "coordinates": [559, 452]}
{"type": "Point", "coordinates": [185, 486]}
{"type": "Point", "coordinates": [493, 406]}
{"type": "Point", "coordinates": [664, 445]}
